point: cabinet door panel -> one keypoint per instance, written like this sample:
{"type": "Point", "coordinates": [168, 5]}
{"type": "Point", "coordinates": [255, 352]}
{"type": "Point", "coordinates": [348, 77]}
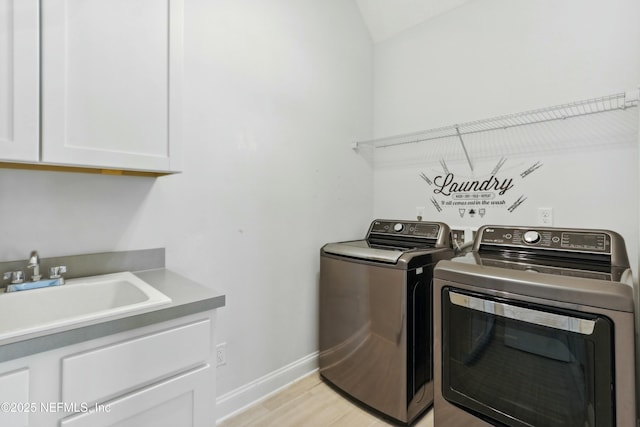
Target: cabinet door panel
{"type": "Point", "coordinates": [14, 392]}
{"type": "Point", "coordinates": [19, 80]}
{"type": "Point", "coordinates": [183, 401]}
{"type": "Point", "coordinates": [94, 375]}
{"type": "Point", "coordinates": [111, 74]}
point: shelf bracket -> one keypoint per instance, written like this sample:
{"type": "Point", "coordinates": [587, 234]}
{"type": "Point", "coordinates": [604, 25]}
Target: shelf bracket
{"type": "Point", "coordinates": [466, 154]}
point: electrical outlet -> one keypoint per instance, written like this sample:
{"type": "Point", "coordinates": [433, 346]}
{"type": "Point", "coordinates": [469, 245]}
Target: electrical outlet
{"type": "Point", "coordinates": [221, 354]}
{"type": "Point", "coordinates": [545, 216]}
{"type": "Point", "coordinates": [458, 235]}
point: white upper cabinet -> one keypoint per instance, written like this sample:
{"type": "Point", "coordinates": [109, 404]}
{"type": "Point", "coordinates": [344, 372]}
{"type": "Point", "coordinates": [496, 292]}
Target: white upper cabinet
{"type": "Point", "coordinates": [19, 80]}
{"type": "Point", "coordinates": [111, 83]}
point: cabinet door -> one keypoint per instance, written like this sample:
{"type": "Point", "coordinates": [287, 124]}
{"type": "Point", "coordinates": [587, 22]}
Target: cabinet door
{"type": "Point", "coordinates": [14, 398]}
{"type": "Point", "coordinates": [106, 371]}
{"type": "Point", "coordinates": [19, 80]}
{"type": "Point", "coordinates": [111, 83]}
{"type": "Point", "coordinates": [184, 401]}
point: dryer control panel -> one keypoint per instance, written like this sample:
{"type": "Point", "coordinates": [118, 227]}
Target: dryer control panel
{"type": "Point", "coordinates": [572, 240]}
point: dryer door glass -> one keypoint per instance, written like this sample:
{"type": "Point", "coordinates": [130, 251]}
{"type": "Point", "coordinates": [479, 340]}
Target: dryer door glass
{"type": "Point", "coordinates": [520, 364]}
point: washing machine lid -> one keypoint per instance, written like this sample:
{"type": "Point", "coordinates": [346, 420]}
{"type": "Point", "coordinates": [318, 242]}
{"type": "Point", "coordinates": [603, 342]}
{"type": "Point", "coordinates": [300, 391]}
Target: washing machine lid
{"type": "Point", "coordinates": [363, 249]}
{"type": "Point", "coordinates": [387, 240]}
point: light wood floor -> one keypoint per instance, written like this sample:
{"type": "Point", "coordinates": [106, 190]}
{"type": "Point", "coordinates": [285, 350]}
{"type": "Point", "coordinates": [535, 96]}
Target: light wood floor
{"type": "Point", "coordinates": [310, 402]}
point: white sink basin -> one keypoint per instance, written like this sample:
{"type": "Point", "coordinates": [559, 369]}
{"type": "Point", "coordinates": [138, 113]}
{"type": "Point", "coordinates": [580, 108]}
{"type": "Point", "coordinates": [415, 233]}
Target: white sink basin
{"type": "Point", "coordinates": [79, 300]}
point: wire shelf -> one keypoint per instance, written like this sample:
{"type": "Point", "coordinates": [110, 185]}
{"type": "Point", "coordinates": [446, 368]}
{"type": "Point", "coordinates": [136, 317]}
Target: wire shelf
{"type": "Point", "coordinates": [619, 101]}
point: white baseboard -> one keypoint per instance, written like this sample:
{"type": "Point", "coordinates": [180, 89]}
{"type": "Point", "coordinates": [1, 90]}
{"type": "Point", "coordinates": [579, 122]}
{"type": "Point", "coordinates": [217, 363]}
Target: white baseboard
{"type": "Point", "coordinates": [235, 401]}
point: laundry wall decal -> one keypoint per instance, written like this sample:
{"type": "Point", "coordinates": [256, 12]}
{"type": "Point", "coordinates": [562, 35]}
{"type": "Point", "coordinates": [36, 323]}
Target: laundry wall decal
{"type": "Point", "coordinates": [474, 196]}
{"type": "Point", "coordinates": [446, 185]}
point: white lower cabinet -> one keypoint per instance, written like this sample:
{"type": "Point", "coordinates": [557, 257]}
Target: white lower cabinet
{"type": "Point", "coordinates": [109, 371]}
{"type": "Point", "coordinates": [14, 391]}
{"type": "Point", "coordinates": [157, 375]}
{"type": "Point", "coordinates": [169, 403]}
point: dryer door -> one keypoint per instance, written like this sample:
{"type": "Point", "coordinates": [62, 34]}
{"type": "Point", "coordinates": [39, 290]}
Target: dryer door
{"type": "Point", "coordinates": [520, 364]}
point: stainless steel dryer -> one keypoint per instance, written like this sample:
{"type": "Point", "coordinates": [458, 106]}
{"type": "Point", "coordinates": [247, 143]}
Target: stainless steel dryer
{"type": "Point", "coordinates": [535, 327]}
{"type": "Point", "coordinates": [376, 315]}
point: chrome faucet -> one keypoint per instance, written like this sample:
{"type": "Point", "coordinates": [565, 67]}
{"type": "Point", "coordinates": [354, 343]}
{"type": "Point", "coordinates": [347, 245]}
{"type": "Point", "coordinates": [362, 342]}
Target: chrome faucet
{"type": "Point", "coordinates": [34, 263]}
{"type": "Point", "coordinates": [17, 278]}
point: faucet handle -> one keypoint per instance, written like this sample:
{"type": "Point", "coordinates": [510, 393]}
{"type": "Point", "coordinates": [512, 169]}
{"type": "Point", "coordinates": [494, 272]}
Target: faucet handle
{"type": "Point", "coordinates": [14, 276]}
{"type": "Point", "coordinates": [57, 272]}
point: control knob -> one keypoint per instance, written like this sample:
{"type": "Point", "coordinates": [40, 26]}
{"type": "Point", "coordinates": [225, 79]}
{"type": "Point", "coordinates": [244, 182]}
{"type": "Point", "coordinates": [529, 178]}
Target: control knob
{"type": "Point", "coordinates": [531, 237]}
{"type": "Point", "coordinates": [398, 227]}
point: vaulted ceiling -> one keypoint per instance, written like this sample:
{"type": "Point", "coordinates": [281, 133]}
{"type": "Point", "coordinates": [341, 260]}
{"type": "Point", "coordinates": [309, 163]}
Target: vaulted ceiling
{"type": "Point", "coordinates": [387, 18]}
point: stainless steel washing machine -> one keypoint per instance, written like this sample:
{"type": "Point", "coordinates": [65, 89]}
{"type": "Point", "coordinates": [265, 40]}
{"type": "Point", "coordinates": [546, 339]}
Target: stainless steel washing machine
{"type": "Point", "coordinates": [535, 327]}
{"type": "Point", "coordinates": [376, 315]}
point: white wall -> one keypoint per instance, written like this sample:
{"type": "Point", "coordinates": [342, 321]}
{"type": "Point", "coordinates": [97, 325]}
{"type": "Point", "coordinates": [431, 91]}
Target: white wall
{"type": "Point", "coordinates": [59, 213]}
{"type": "Point", "coordinates": [275, 93]}
{"type": "Point", "coordinates": [495, 57]}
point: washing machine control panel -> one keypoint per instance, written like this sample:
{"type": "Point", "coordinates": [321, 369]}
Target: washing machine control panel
{"type": "Point", "coordinates": [427, 230]}
{"type": "Point", "coordinates": [409, 234]}
{"type": "Point", "coordinates": [547, 238]}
